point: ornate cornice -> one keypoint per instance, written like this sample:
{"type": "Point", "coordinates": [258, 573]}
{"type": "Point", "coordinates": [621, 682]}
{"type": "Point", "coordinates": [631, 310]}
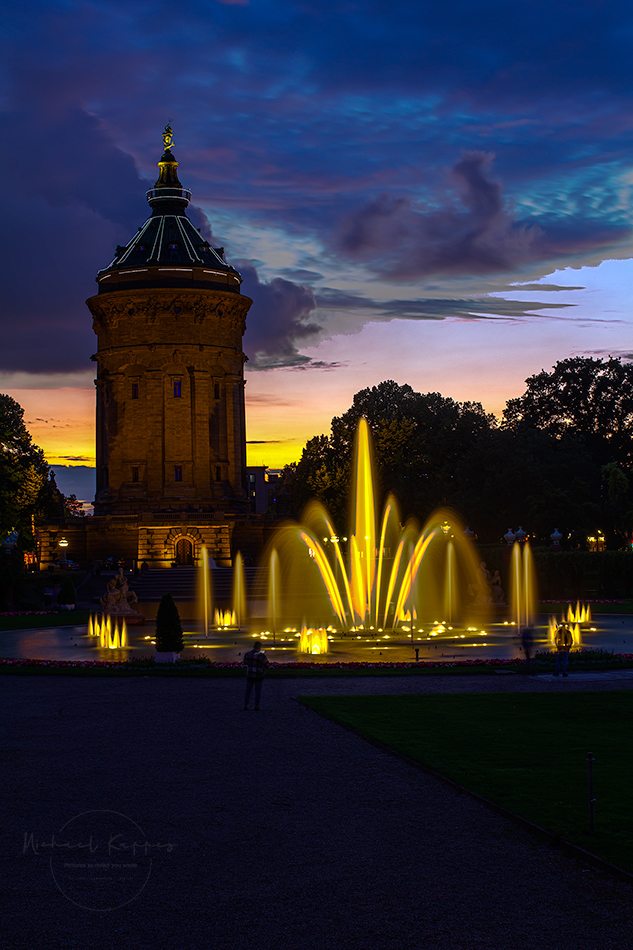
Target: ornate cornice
{"type": "Point", "coordinates": [112, 310]}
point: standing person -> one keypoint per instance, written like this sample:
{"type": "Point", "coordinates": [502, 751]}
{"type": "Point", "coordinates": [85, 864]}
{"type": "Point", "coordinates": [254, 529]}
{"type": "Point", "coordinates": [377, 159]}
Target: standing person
{"type": "Point", "coordinates": [564, 641]}
{"type": "Point", "coordinates": [527, 642]}
{"type": "Point", "coordinates": [256, 663]}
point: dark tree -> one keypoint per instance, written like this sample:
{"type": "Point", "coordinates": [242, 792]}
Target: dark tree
{"type": "Point", "coordinates": [589, 398]}
{"type": "Point", "coordinates": [73, 508]}
{"type": "Point", "coordinates": [168, 627]}
{"type": "Point", "coordinates": [586, 404]}
{"type": "Point", "coordinates": [531, 479]}
{"type": "Point", "coordinates": [27, 495]}
{"type": "Point", "coordinates": [419, 442]}
{"type": "Point", "coordinates": [67, 594]}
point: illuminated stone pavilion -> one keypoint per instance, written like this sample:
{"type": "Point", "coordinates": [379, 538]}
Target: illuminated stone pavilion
{"type": "Point", "coordinates": [170, 427]}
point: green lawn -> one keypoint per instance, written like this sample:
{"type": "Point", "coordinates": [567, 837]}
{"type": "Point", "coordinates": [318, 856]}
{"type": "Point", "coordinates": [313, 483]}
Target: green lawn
{"type": "Point", "coordinates": [65, 618]}
{"type": "Point", "coordinates": [526, 752]}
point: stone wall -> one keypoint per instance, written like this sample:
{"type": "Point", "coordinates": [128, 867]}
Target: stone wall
{"type": "Point", "coordinates": [136, 538]}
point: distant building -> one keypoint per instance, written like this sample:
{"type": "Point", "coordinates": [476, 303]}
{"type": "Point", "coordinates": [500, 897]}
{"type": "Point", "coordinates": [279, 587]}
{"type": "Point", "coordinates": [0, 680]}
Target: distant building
{"type": "Point", "coordinates": [171, 441]}
{"type": "Point", "coordinates": [262, 483]}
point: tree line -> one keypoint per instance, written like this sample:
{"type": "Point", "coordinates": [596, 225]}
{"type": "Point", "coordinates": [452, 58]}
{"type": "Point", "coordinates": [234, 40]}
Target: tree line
{"type": "Point", "coordinates": [560, 457]}
{"type": "Point", "coordinates": [28, 493]}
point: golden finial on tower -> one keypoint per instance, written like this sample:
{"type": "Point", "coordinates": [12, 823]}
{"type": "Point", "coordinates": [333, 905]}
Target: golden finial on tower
{"type": "Point", "coordinates": [168, 136]}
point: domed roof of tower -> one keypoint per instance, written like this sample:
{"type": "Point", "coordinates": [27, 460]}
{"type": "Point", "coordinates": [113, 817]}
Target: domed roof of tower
{"type": "Point", "coordinates": [168, 241]}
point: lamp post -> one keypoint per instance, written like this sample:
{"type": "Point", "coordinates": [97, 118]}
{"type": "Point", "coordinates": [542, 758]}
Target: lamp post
{"type": "Point", "coordinates": [63, 544]}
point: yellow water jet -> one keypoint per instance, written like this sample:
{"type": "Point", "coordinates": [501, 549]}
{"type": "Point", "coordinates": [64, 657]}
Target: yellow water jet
{"type": "Point", "coordinates": [523, 585]}
{"type": "Point", "coordinates": [205, 590]}
{"type": "Point", "coordinates": [239, 592]}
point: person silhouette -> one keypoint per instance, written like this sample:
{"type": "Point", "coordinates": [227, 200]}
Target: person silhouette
{"type": "Point", "coordinates": [563, 641]}
{"type": "Point", "coordinates": [256, 663]}
{"type": "Point", "coordinates": [527, 642]}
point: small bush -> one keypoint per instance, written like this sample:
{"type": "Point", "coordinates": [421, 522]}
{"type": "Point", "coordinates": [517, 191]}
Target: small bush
{"type": "Point", "coordinates": [67, 594]}
{"type": "Point", "coordinates": [168, 627]}
{"type": "Point", "coordinates": [29, 599]}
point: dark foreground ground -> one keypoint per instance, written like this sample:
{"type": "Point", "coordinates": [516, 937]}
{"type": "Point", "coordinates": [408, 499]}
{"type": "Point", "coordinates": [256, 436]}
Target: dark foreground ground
{"type": "Point", "coordinates": [208, 827]}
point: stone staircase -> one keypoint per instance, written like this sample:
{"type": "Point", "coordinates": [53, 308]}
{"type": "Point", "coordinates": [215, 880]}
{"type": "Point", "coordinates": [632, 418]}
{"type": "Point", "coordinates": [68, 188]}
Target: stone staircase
{"type": "Point", "coordinates": [182, 584]}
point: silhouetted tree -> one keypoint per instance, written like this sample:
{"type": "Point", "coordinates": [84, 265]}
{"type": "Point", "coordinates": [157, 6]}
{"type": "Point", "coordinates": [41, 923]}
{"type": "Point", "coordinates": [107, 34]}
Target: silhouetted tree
{"type": "Point", "coordinates": [419, 442]}
{"type": "Point", "coordinates": [27, 494]}
{"type": "Point", "coordinates": [589, 398]}
{"type": "Point", "coordinates": [168, 627]}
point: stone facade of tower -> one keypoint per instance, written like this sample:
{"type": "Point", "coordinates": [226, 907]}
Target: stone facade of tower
{"type": "Point", "coordinates": [170, 400]}
{"type": "Point", "coordinates": [170, 428]}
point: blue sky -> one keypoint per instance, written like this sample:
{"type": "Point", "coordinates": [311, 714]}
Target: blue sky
{"type": "Point", "coordinates": [418, 191]}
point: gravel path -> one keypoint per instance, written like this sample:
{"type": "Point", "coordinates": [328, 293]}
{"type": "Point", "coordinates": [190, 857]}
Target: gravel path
{"type": "Point", "coordinates": [287, 831]}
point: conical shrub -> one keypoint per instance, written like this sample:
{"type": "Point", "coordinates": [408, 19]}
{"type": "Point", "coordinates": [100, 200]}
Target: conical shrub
{"type": "Point", "coordinates": [168, 627]}
{"type": "Point", "coordinates": [67, 595]}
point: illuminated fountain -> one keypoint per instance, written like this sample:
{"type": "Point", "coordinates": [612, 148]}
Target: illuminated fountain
{"type": "Point", "coordinates": [575, 619]}
{"type": "Point", "coordinates": [390, 579]}
{"type": "Point", "coordinates": [313, 641]}
{"type": "Point", "coordinates": [233, 618]}
{"type": "Point", "coordinates": [273, 601]}
{"type": "Point", "coordinates": [112, 636]}
{"type": "Point", "coordinates": [522, 585]}
{"type": "Point", "coordinates": [205, 590]}
{"type": "Point", "coordinates": [240, 615]}
{"type": "Point", "coordinates": [582, 614]}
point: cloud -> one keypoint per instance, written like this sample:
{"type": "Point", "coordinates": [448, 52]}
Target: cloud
{"type": "Point", "coordinates": [74, 195]}
{"type": "Point", "coordinates": [473, 233]}
{"type": "Point", "coordinates": [319, 364]}
{"type": "Point", "coordinates": [521, 288]}
{"type": "Point", "coordinates": [301, 274]}
{"type": "Point", "coordinates": [277, 321]}
{"type": "Point", "coordinates": [432, 308]}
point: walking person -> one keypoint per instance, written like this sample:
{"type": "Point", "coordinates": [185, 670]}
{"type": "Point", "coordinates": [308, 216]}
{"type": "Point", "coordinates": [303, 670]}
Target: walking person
{"type": "Point", "coordinates": [527, 642]}
{"type": "Point", "coordinates": [256, 663]}
{"type": "Point", "coordinates": [564, 642]}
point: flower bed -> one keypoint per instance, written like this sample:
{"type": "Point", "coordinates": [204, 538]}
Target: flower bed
{"type": "Point", "coordinates": [194, 665]}
{"type": "Point", "coordinates": [584, 600]}
{"type": "Point", "coordinates": [148, 661]}
{"type": "Point", "coordinates": [27, 613]}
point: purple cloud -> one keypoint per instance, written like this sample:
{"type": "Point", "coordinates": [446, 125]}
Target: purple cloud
{"type": "Point", "coordinates": [277, 321]}
{"type": "Point", "coordinates": [473, 235]}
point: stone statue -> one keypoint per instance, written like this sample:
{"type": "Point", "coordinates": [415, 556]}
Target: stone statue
{"type": "Point", "coordinates": [118, 598]}
{"type": "Point", "coordinates": [481, 590]}
{"type": "Point", "coordinates": [496, 589]}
